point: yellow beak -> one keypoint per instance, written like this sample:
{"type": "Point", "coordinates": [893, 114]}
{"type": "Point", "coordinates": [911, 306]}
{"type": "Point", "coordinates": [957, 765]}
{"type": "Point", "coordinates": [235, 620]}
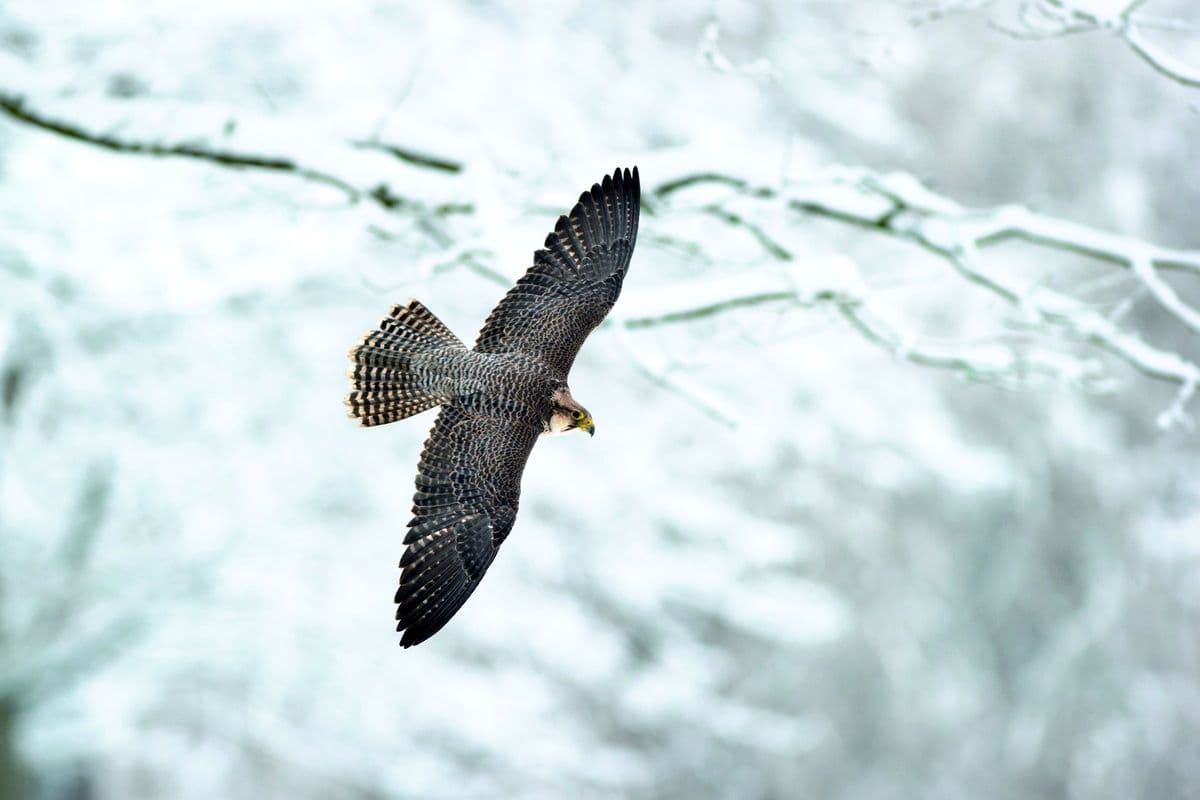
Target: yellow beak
{"type": "Point", "coordinates": [588, 426]}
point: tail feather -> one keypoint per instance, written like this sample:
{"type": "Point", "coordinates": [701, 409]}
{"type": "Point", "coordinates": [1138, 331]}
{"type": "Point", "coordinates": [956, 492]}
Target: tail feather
{"type": "Point", "coordinates": [414, 319]}
{"type": "Point", "coordinates": [381, 412]}
{"type": "Point", "coordinates": [367, 358]}
{"type": "Point", "coordinates": [384, 386]}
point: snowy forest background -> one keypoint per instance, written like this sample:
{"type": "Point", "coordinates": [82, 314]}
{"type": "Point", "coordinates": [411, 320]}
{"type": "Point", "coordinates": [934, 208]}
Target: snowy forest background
{"type": "Point", "coordinates": [894, 491]}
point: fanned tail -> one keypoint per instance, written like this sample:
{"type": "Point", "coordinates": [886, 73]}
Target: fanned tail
{"type": "Point", "coordinates": [384, 386]}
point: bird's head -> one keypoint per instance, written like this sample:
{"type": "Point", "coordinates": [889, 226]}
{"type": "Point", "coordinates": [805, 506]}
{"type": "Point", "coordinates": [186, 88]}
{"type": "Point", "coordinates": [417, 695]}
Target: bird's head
{"type": "Point", "coordinates": [567, 415]}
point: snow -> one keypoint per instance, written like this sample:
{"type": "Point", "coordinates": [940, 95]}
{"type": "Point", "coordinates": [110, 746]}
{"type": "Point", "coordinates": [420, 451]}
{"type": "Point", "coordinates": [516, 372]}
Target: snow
{"type": "Point", "coordinates": [790, 563]}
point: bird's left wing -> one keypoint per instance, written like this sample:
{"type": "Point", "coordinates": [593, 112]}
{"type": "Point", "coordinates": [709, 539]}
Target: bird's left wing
{"type": "Point", "coordinates": [468, 487]}
{"type": "Point", "coordinates": [575, 279]}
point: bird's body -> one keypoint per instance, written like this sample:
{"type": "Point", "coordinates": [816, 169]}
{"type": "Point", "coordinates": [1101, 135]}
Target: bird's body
{"type": "Point", "coordinates": [497, 398]}
{"type": "Point", "coordinates": [511, 377]}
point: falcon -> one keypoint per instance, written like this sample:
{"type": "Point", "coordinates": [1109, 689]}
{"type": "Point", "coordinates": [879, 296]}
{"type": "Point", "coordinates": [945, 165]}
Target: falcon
{"type": "Point", "coordinates": [497, 398]}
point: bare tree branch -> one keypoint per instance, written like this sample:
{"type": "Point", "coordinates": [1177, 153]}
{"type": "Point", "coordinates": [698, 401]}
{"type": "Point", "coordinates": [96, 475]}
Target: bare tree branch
{"type": "Point", "coordinates": [201, 148]}
{"type": "Point", "coordinates": [411, 156]}
{"type": "Point", "coordinates": [17, 108]}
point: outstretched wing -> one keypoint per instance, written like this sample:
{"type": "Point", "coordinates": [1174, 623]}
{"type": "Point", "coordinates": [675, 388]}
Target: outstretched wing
{"type": "Point", "coordinates": [468, 486]}
{"type": "Point", "coordinates": [574, 280]}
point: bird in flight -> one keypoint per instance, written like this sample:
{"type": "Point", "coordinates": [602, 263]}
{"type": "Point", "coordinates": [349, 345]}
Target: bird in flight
{"type": "Point", "coordinates": [496, 398]}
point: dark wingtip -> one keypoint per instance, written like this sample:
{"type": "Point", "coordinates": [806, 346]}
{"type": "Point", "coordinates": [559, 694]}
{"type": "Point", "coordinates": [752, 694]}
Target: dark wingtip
{"type": "Point", "coordinates": [622, 181]}
{"type": "Point", "coordinates": [410, 637]}
{"type": "Point", "coordinates": [628, 180]}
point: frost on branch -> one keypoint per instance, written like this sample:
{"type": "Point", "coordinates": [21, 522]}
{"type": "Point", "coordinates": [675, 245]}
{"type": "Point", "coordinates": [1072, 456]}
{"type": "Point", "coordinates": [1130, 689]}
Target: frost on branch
{"type": "Point", "coordinates": [897, 206]}
{"type": "Point", "coordinates": [1059, 332]}
{"type": "Point", "coordinates": [1043, 19]}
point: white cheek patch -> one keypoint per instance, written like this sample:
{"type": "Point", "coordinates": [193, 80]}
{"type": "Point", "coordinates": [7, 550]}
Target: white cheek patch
{"type": "Point", "coordinates": [559, 423]}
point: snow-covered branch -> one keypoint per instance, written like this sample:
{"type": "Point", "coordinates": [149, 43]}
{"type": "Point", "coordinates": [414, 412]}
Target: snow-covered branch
{"type": "Point", "coordinates": [898, 206]}
{"type": "Point", "coordinates": [1163, 63]}
{"type": "Point", "coordinates": [892, 205]}
{"type": "Point", "coordinates": [1042, 19]}
{"type": "Point", "coordinates": [831, 281]}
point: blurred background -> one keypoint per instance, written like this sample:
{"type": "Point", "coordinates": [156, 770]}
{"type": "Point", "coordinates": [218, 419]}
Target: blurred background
{"type": "Point", "coordinates": [892, 495]}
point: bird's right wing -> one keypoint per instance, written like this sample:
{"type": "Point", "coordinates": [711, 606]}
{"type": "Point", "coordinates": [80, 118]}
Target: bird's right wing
{"type": "Point", "coordinates": [575, 279]}
{"type": "Point", "coordinates": [468, 487]}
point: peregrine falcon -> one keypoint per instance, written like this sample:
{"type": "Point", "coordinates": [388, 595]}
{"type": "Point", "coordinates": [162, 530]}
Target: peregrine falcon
{"type": "Point", "coordinates": [496, 398]}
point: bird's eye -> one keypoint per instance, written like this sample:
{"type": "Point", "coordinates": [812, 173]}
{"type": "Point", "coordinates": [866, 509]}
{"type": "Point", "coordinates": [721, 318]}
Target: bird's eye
{"type": "Point", "coordinates": [576, 415]}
